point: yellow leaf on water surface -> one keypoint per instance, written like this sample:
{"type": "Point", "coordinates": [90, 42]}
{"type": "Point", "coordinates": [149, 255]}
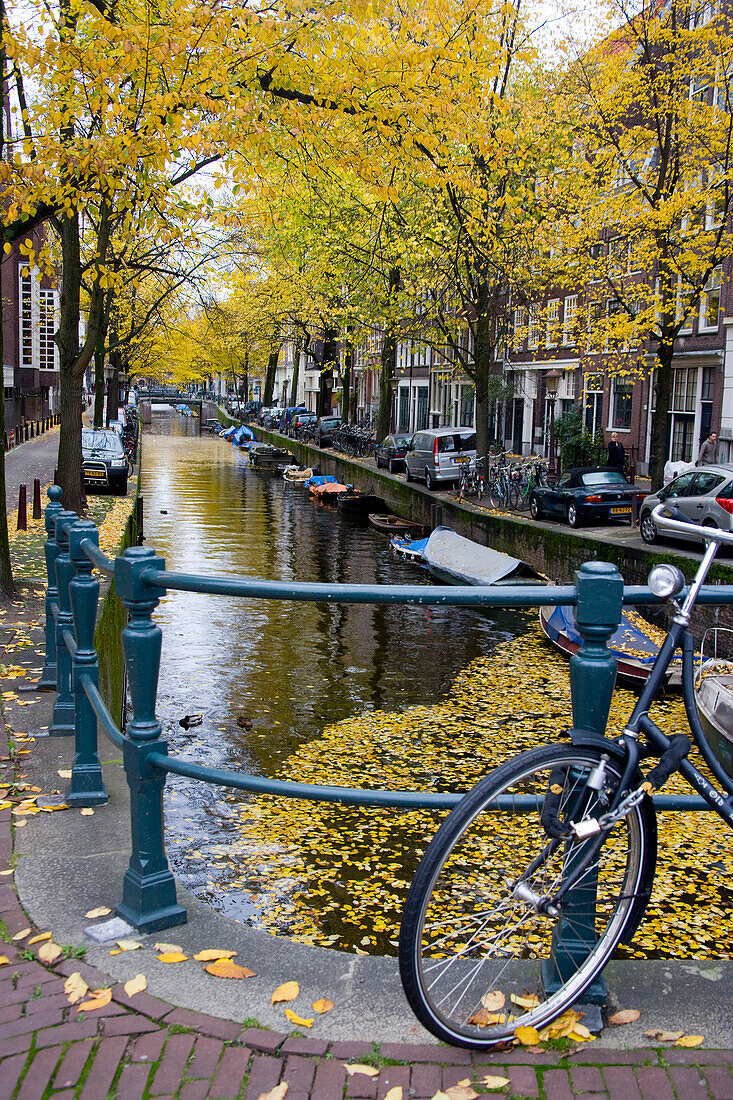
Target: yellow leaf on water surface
{"type": "Point", "coordinates": [286, 992]}
{"type": "Point", "coordinates": [278, 1093]}
{"type": "Point", "coordinates": [212, 954]}
{"type": "Point", "coordinates": [527, 1036]}
{"type": "Point", "coordinates": [165, 948]}
{"type": "Point", "coordinates": [493, 1081]}
{"type": "Point", "coordinates": [689, 1041]}
{"type": "Point", "coordinates": [299, 1021]}
{"type": "Point", "coordinates": [225, 968]}
{"type": "Point", "coordinates": [625, 1016]}
{"type": "Point", "coordinates": [135, 985]}
{"type": "Point", "coordinates": [98, 998]}
{"type": "Point", "coordinates": [75, 988]}
{"type": "Point", "coordinates": [39, 938]}
{"type": "Point", "coordinates": [493, 1001]}
{"type": "Point", "coordinates": [663, 1036]}
{"type": "Point", "coordinates": [100, 911]}
{"type": "Point", "coordinates": [49, 952]}
{"type": "Point", "coordinates": [172, 957]}
{"type": "Point", "coordinates": [368, 1071]}
{"type": "Point", "coordinates": [322, 1005]}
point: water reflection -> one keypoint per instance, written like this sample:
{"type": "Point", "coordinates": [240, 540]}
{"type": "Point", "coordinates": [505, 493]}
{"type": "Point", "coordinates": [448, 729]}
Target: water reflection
{"type": "Point", "coordinates": [291, 668]}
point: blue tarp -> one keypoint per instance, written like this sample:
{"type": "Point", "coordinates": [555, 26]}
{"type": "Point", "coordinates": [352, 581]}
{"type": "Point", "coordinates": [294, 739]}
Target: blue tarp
{"type": "Point", "coordinates": [229, 432]}
{"type": "Point", "coordinates": [242, 434]}
{"type": "Point", "coordinates": [629, 640]}
{"type": "Point", "coordinates": [321, 479]}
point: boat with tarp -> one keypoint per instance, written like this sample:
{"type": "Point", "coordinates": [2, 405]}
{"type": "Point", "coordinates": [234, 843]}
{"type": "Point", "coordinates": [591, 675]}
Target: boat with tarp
{"type": "Point", "coordinates": [714, 693]}
{"type": "Point", "coordinates": [453, 559]}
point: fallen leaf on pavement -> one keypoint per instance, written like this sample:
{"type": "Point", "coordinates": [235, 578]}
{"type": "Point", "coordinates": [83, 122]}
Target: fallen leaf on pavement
{"type": "Point", "coordinates": [278, 1093]}
{"type": "Point", "coordinates": [4, 960]}
{"type": "Point", "coordinates": [493, 1001]}
{"type": "Point", "coordinates": [394, 1094]}
{"type": "Point", "coordinates": [287, 992]}
{"type": "Point", "coordinates": [464, 1090]}
{"type": "Point", "coordinates": [22, 934]}
{"type": "Point", "coordinates": [211, 955]}
{"type": "Point", "coordinates": [527, 1036]}
{"type": "Point", "coordinates": [172, 957]}
{"type": "Point", "coordinates": [689, 1041]}
{"type": "Point", "coordinates": [75, 988]}
{"type": "Point", "coordinates": [493, 1081]}
{"type": "Point", "coordinates": [625, 1016]}
{"type": "Point", "coordinates": [368, 1071]}
{"type": "Point", "coordinates": [87, 811]}
{"type": "Point", "coordinates": [299, 1021]}
{"type": "Point", "coordinates": [322, 1005]}
{"type": "Point", "coordinates": [98, 998]}
{"type": "Point", "coordinates": [39, 938]}
{"type": "Point", "coordinates": [65, 773]}
{"type": "Point", "coordinates": [225, 968]}
{"type": "Point", "coordinates": [164, 948]}
{"type": "Point", "coordinates": [49, 952]}
{"type": "Point", "coordinates": [100, 911]}
{"type": "Point", "coordinates": [664, 1036]}
{"type": "Point", "coordinates": [135, 985]}
{"type": "Point", "coordinates": [128, 945]}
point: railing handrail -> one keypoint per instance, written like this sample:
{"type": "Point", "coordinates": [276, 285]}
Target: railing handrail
{"type": "Point", "coordinates": [97, 557]}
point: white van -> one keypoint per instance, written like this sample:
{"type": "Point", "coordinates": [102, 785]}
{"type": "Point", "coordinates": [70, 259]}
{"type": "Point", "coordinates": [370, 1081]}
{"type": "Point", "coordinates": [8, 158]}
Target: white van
{"type": "Point", "coordinates": [435, 454]}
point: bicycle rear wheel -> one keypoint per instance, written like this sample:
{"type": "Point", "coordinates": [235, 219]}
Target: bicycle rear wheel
{"type": "Point", "coordinates": [478, 958]}
{"type": "Point", "coordinates": [496, 494]}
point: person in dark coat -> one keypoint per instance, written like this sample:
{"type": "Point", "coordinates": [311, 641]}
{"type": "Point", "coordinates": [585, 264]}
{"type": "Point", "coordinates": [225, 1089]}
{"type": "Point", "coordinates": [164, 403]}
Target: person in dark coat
{"type": "Point", "coordinates": [616, 453]}
{"type": "Point", "coordinates": [708, 451]}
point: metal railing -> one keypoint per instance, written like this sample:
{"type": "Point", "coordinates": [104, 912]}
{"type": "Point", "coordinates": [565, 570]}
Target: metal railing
{"type": "Point", "coordinates": [71, 666]}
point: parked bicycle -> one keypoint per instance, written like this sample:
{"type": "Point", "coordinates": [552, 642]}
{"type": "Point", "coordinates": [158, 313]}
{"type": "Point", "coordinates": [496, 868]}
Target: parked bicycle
{"type": "Point", "coordinates": [547, 865]}
{"type": "Point", "coordinates": [472, 481]}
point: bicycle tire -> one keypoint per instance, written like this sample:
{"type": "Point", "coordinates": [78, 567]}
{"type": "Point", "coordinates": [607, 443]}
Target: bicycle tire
{"type": "Point", "coordinates": [513, 496]}
{"type": "Point", "coordinates": [524, 494]}
{"type": "Point", "coordinates": [495, 494]}
{"type": "Point", "coordinates": [444, 978]}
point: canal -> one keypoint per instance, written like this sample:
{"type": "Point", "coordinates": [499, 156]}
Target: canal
{"type": "Point", "coordinates": [394, 697]}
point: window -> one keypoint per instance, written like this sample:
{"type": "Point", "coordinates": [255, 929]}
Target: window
{"type": "Point", "coordinates": [699, 85]}
{"type": "Point", "coordinates": [46, 330]}
{"type": "Point", "coordinates": [533, 335]}
{"type": "Point", "coordinates": [701, 12]}
{"type": "Point", "coordinates": [710, 302]}
{"type": "Point", "coordinates": [520, 326]}
{"type": "Point", "coordinates": [716, 206]}
{"type": "Point", "coordinates": [617, 257]}
{"type": "Point", "coordinates": [593, 403]}
{"type": "Point", "coordinates": [26, 321]}
{"type": "Point", "coordinates": [682, 306]}
{"type": "Point", "coordinates": [570, 319]}
{"type": "Point", "coordinates": [684, 389]}
{"type": "Point", "coordinates": [621, 409]}
{"type": "Point", "coordinates": [553, 319]}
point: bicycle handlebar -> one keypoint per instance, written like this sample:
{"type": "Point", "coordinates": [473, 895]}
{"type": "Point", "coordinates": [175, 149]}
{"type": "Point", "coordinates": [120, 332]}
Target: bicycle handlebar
{"type": "Point", "coordinates": [670, 518]}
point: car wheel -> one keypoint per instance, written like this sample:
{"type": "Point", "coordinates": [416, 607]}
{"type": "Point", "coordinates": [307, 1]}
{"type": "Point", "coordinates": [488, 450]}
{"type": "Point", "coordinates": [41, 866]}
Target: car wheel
{"type": "Point", "coordinates": [534, 507]}
{"type": "Point", "coordinates": [573, 517]}
{"type": "Point", "coordinates": [429, 480]}
{"type": "Point", "coordinates": [647, 529]}
{"type": "Point", "coordinates": [390, 466]}
{"type": "Point", "coordinates": [122, 488]}
{"type": "Point", "coordinates": [408, 475]}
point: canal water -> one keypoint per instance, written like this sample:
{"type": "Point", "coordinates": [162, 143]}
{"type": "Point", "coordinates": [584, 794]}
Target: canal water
{"type": "Point", "coordinates": [384, 697]}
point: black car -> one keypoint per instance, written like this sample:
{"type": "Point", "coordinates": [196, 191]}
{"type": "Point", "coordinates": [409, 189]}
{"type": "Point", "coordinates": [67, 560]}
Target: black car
{"type": "Point", "coordinates": [392, 450]}
{"type": "Point", "coordinates": [325, 428]}
{"type": "Point", "coordinates": [586, 493]}
{"type": "Point", "coordinates": [104, 461]}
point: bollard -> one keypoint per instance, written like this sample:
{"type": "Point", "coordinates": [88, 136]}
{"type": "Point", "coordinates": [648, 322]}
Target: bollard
{"type": "Point", "coordinates": [37, 498]}
{"type": "Point", "coordinates": [600, 589]}
{"type": "Point", "coordinates": [22, 524]}
{"type": "Point", "coordinates": [62, 723]}
{"type": "Point", "coordinates": [47, 681]}
{"type": "Point", "coordinates": [86, 787]}
{"type": "Point", "coordinates": [25, 431]}
{"type": "Point", "coordinates": [149, 889]}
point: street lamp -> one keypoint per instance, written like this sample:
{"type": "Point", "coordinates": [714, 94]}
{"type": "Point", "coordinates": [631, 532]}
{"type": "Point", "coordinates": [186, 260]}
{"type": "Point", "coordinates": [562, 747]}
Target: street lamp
{"type": "Point", "coordinates": [552, 382]}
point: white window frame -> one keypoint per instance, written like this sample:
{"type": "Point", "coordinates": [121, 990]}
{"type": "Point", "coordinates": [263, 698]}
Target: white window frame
{"type": "Point", "coordinates": [533, 327]}
{"type": "Point", "coordinates": [553, 323]}
{"type": "Point", "coordinates": [570, 319]}
{"type": "Point", "coordinates": [715, 282]}
{"type": "Point", "coordinates": [689, 324]}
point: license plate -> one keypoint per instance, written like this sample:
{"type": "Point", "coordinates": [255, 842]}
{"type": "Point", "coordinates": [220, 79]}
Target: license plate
{"type": "Point", "coordinates": [620, 511]}
{"type": "Point", "coordinates": [94, 473]}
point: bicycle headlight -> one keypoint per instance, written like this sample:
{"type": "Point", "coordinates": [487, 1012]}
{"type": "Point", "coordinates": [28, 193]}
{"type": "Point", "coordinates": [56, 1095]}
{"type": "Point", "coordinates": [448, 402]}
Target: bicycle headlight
{"type": "Point", "coordinates": [666, 581]}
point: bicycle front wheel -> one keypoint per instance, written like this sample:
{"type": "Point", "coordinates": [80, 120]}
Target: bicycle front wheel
{"type": "Point", "coordinates": [478, 955]}
{"type": "Point", "coordinates": [496, 495]}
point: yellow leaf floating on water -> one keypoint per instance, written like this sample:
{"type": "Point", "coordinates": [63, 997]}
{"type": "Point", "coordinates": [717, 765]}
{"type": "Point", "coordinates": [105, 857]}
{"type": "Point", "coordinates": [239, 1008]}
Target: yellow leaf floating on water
{"type": "Point", "coordinates": [135, 985]}
{"type": "Point", "coordinates": [100, 911]}
{"type": "Point", "coordinates": [211, 955]}
{"type": "Point", "coordinates": [298, 1020]}
{"type": "Point", "coordinates": [49, 952]}
{"type": "Point", "coordinates": [368, 1071]}
{"type": "Point", "coordinates": [323, 1005]}
{"type": "Point", "coordinates": [625, 1016]}
{"type": "Point", "coordinates": [527, 1036]}
{"type": "Point", "coordinates": [225, 968]}
{"type": "Point", "coordinates": [75, 988]}
{"type": "Point", "coordinates": [98, 998]}
{"type": "Point", "coordinates": [172, 957]}
{"type": "Point", "coordinates": [689, 1041]}
{"type": "Point", "coordinates": [286, 992]}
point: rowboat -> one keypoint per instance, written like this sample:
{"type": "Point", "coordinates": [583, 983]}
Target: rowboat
{"type": "Point", "coordinates": [265, 456]}
{"type": "Point", "coordinates": [410, 549]}
{"type": "Point", "coordinates": [297, 475]}
{"type": "Point", "coordinates": [355, 503]}
{"type": "Point", "coordinates": [394, 525]}
{"type": "Point", "coordinates": [635, 644]}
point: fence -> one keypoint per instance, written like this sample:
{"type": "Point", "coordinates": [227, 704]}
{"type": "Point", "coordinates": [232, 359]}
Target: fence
{"type": "Point", "coordinates": [72, 553]}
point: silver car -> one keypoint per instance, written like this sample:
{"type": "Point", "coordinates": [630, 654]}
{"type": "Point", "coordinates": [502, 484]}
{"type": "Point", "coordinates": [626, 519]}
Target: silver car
{"type": "Point", "coordinates": [435, 454]}
{"type": "Point", "coordinates": [704, 495]}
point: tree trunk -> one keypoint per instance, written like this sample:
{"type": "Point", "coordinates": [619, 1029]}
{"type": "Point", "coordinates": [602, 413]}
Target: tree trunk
{"type": "Point", "coordinates": [69, 460]}
{"type": "Point", "coordinates": [663, 395]}
{"type": "Point", "coordinates": [296, 373]}
{"type": "Point", "coordinates": [330, 358]}
{"type": "Point", "coordinates": [6, 570]}
{"type": "Point", "coordinates": [346, 385]}
{"type": "Point", "coordinates": [483, 357]}
{"type": "Point", "coordinates": [99, 351]}
{"type": "Point", "coordinates": [270, 376]}
{"type": "Point", "coordinates": [389, 359]}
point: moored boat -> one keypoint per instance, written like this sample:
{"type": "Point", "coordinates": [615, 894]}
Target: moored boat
{"type": "Point", "coordinates": [453, 559]}
{"type": "Point", "coordinates": [328, 492]}
{"type": "Point", "coordinates": [356, 503]}
{"type": "Point", "coordinates": [635, 644]}
{"type": "Point", "coordinates": [395, 525]}
{"type": "Point", "coordinates": [714, 697]}
{"type": "Point", "coordinates": [410, 549]}
{"type": "Point", "coordinates": [297, 475]}
{"type": "Point", "coordinates": [265, 456]}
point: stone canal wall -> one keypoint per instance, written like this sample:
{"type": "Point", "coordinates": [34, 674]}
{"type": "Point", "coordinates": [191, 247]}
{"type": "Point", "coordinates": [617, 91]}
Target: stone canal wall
{"type": "Point", "coordinates": [552, 548]}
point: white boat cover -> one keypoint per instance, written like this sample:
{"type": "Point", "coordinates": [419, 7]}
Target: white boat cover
{"type": "Point", "coordinates": [453, 555]}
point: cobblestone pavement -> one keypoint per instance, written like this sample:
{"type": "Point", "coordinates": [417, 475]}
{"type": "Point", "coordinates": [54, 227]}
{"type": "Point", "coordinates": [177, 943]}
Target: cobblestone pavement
{"type": "Point", "coordinates": [141, 1047]}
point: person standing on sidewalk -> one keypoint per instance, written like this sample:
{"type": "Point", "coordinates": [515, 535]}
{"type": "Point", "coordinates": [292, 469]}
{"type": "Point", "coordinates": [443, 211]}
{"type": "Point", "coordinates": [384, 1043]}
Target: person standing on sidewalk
{"type": "Point", "coordinates": [616, 453]}
{"type": "Point", "coordinates": [708, 450]}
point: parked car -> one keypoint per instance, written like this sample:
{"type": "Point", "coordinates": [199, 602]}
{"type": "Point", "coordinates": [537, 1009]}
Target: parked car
{"type": "Point", "coordinates": [325, 428]}
{"type": "Point", "coordinates": [104, 461]}
{"type": "Point", "coordinates": [265, 412]}
{"type": "Point", "coordinates": [434, 454]}
{"type": "Point", "coordinates": [704, 494]}
{"type": "Point", "coordinates": [299, 421]}
{"type": "Point", "coordinates": [392, 450]}
{"type": "Point", "coordinates": [586, 493]}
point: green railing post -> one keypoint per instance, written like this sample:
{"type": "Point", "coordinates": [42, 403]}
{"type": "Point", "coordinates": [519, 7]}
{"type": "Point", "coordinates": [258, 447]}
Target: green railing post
{"type": "Point", "coordinates": [47, 681]}
{"type": "Point", "coordinates": [600, 589]}
{"type": "Point", "coordinates": [149, 889]}
{"type": "Point", "coordinates": [62, 722]}
{"type": "Point", "coordinates": [86, 787]}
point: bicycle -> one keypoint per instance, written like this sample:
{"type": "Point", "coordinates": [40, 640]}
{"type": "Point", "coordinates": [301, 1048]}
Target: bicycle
{"type": "Point", "coordinates": [546, 866]}
{"type": "Point", "coordinates": [472, 477]}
